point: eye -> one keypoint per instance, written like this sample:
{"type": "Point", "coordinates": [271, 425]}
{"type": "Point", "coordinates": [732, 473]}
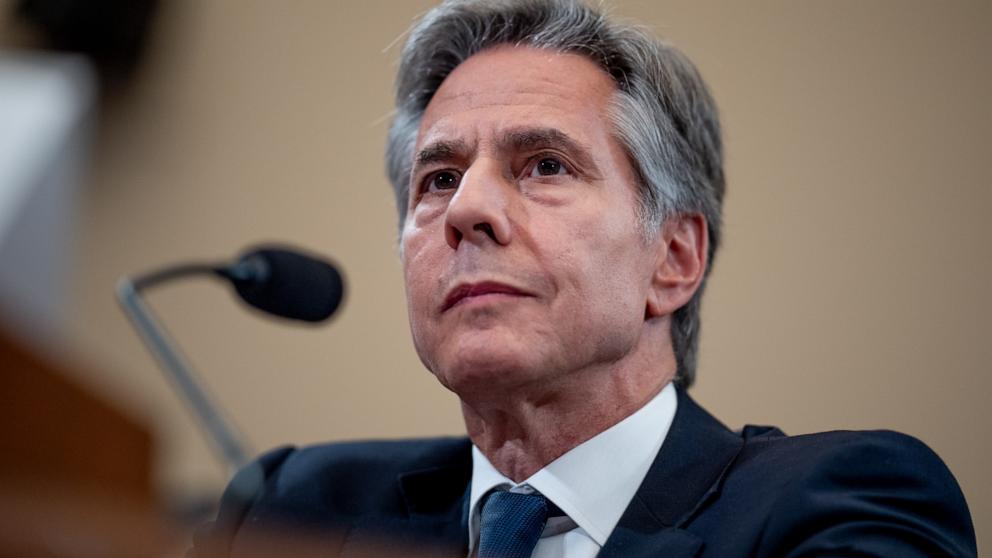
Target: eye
{"type": "Point", "coordinates": [443, 180]}
{"type": "Point", "coordinates": [548, 166]}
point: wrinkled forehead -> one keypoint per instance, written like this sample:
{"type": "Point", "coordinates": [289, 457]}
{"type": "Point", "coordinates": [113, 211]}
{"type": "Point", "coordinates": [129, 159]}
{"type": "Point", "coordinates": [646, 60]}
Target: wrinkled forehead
{"type": "Point", "coordinates": [514, 86]}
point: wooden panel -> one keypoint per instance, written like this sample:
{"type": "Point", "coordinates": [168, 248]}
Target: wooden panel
{"type": "Point", "coordinates": [75, 471]}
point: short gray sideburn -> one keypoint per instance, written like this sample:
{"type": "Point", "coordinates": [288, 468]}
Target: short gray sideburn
{"type": "Point", "coordinates": [663, 112]}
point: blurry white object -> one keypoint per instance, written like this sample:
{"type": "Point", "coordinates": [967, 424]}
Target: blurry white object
{"type": "Point", "coordinates": [46, 104]}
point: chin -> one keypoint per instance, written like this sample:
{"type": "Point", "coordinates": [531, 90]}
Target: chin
{"type": "Point", "coordinates": [469, 369]}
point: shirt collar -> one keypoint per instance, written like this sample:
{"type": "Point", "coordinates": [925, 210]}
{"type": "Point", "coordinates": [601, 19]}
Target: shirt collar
{"type": "Point", "coordinates": [595, 481]}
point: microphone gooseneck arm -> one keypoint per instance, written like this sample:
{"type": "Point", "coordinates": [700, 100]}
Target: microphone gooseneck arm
{"type": "Point", "coordinates": [224, 437]}
{"type": "Point", "coordinates": [276, 280]}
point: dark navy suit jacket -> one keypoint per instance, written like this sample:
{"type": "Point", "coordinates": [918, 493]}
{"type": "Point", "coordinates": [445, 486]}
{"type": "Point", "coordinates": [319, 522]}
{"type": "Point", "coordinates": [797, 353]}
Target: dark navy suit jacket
{"type": "Point", "coordinates": [710, 492]}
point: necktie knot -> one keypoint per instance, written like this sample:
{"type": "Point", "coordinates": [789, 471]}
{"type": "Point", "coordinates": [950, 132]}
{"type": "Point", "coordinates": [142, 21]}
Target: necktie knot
{"type": "Point", "coordinates": [511, 524]}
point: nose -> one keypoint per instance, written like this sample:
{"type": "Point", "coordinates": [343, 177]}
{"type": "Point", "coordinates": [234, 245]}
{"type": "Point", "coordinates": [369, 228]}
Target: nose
{"type": "Point", "coordinates": [479, 210]}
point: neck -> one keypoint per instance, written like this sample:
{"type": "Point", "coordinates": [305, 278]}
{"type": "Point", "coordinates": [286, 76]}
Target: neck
{"type": "Point", "coordinates": [523, 431]}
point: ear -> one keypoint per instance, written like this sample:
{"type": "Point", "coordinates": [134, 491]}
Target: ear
{"type": "Point", "coordinates": [681, 264]}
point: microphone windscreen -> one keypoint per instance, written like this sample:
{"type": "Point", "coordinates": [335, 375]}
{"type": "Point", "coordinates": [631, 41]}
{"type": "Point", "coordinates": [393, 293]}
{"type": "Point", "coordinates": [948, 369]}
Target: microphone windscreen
{"type": "Point", "coordinates": [289, 284]}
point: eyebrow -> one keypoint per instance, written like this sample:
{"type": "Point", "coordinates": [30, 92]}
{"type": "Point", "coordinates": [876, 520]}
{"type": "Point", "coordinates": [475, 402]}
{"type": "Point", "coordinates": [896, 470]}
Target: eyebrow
{"type": "Point", "coordinates": [439, 152]}
{"type": "Point", "coordinates": [517, 139]}
{"type": "Point", "coordinates": [549, 138]}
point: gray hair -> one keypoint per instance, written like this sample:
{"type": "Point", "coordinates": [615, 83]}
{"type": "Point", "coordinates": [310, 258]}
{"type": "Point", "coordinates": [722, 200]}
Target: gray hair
{"type": "Point", "coordinates": [663, 113]}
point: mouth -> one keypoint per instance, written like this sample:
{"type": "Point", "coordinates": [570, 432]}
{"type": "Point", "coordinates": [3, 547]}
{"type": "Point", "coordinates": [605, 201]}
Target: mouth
{"type": "Point", "coordinates": [467, 291]}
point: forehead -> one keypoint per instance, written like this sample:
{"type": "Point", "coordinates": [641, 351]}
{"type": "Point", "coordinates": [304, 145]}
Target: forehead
{"type": "Point", "coordinates": [512, 86]}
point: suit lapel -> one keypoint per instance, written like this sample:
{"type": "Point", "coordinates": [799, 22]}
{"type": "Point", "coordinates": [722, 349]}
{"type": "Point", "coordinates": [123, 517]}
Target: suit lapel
{"type": "Point", "coordinates": [436, 501]}
{"type": "Point", "coordinates": [671, 543]}
{"type": "Point", "coordinates": [684, 477]}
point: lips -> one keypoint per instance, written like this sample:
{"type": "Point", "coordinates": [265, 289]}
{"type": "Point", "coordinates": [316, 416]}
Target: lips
{"type": "Point", "coordinates": [469, 290]}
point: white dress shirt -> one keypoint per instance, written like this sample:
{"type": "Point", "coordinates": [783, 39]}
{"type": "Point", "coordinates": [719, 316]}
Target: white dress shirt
{"type": "Point", "coordinates": [593, 482]}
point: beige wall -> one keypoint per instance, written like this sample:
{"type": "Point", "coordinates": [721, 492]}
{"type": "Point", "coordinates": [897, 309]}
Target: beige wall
{"type": "Point", "coordinates": [851, 291]}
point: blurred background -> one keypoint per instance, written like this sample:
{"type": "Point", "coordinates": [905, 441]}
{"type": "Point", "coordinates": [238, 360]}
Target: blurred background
{"type": "Point", "coordinates": [851, 292]}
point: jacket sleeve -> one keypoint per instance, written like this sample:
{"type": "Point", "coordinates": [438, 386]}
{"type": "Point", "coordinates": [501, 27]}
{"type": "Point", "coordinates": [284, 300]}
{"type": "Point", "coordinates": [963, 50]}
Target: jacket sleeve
{"type": "Point", "coordinates": [878, 494]}
{"type": "Point", "coordinates": [213, 539]}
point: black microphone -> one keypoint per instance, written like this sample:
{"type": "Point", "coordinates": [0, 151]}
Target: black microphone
{"type": "Point", "coordinates": [286, 283]}
{"type": "Point", "coordinates": [274, 279]}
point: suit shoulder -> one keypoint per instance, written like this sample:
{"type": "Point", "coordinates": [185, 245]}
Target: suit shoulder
{"type": "Point", "coordinates": [884, 451]}
{"type": "Point", "coordinates": [327, 484]}
{"type": "Point", "coordinates": [846, 459]}
{"type": "Point", "coordinates": [872, 486]}
{"type": "Point", "coordinates": [350, 478]}
{"type": "Point", "coordinates": [372, 456]}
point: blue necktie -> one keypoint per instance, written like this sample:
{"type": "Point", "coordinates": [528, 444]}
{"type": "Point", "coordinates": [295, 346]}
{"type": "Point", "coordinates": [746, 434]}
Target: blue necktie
{"type": "Point", "coordinates": [511, 524]}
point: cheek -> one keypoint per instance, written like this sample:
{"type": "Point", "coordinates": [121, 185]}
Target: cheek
{"type": "Point", "coordinates": [413, 256]}
{"type": "Point", "coordinates": [422, 260]}
{"type": "Point", "coordinates": [428, 211]}
{"type": "Point", "coordinates": [420, 283]}
{"type": "Point", "coordinates": [612, 269]}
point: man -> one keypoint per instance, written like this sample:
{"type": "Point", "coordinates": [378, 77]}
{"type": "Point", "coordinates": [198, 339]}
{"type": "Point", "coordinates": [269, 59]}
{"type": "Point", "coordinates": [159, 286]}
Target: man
{"type": "Point", "coordinates": [559, 181]}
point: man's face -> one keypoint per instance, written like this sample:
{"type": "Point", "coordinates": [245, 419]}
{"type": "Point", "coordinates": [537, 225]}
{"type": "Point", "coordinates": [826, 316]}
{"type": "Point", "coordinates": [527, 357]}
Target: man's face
{"type": "Point", "coordinates": [523, 255]}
